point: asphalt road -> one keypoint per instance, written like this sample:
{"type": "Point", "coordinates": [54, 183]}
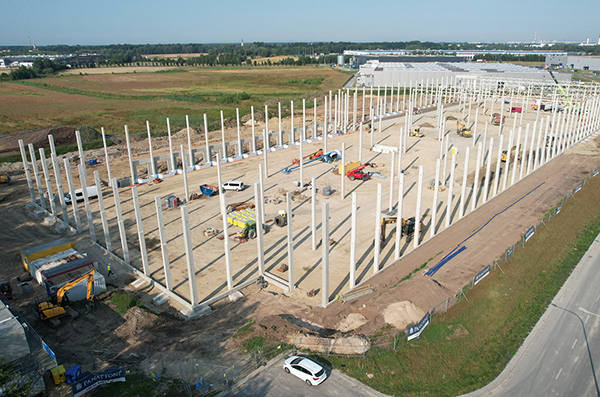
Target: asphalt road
{"type": "Point", "coordinates": [554, 359]}
{"type": "Point", "coordinates": [272, 381]}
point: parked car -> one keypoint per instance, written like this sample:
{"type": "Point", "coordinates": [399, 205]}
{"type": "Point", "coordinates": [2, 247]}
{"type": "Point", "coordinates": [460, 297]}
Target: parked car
{"type": "Point", "coordinates": [306, 369]}
{"type": "Point", "coordinates": [233, 185]}
{"type": "Point", "coordinates": [92, 192]}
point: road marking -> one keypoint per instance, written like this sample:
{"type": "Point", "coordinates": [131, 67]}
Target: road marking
{"type": "Point", "coordinates": [597, 298]}
{"type": "Point", "coordinates": [574, 344]}
{"type": "Point", "coordinates": [587, 318]}
{"type": "Point", "coordinates": [558, 374]}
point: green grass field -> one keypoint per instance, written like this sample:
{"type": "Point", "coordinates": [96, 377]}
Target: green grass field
{"type": "Point", "coordinates": [113, 99]}
{"type": "Point", "coordinates": [469, 346]}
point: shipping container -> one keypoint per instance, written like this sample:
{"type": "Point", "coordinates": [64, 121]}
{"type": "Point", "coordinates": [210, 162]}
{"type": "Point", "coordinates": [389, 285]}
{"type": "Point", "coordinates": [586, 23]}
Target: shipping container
{"type": "Point", "coordinates": [31, 254]}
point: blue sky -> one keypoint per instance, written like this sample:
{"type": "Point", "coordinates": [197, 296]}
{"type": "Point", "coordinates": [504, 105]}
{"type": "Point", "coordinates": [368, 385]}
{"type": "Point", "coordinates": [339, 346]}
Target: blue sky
{"type": "Point", "coordinates": [227, 21]}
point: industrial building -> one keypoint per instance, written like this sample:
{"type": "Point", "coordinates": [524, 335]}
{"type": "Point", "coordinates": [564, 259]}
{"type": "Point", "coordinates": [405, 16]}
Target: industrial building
{"type": "Point", "coordinates": [573, 62]}
{"type": "Point", "coordinates": [375, 73]}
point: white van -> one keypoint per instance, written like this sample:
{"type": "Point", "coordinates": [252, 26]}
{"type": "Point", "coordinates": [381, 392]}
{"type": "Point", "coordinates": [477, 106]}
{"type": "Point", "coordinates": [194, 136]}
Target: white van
{"type": "Point", "coordinates": [92, 192]}
{"type": "Point", "coordinates": [233, 185]}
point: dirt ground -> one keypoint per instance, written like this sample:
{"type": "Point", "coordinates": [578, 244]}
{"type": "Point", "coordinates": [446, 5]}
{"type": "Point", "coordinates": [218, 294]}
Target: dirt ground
{"type": "Point", "coordinates": [157, 342]}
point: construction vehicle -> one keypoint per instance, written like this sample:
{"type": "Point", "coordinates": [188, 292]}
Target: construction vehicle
{"type": "Point", "coordinates": [408, 226]}
{"type": "Point", "coordinates": [512, 154]}
{"type": "Point", "coordinates": [562, 91]}
{"type": "Point", "coordinates": [58, 304]}
{"type": "Point", "coordinates": [5, 178]}
{"type": "Point", "coordinates": [496, 118]}
{"type": "Point", "coordinates": [211, 231]}
{"type": "Point", "coordinates": [326, 158]}
{"type": "Point", "coordinates": [281, 218]}
{"type": "Point", "coordinates": [309, 156]}
{"type": "Point", "coordinates": [358, 173]}
{"type": "Point", "coordinates": [248, 232]}
{"type": "Point", "coordinates": [416, 132]}
{"type": "Point", "coordinates": [462, 130]}
{"type": "Point", "coordinates": [416, 110]}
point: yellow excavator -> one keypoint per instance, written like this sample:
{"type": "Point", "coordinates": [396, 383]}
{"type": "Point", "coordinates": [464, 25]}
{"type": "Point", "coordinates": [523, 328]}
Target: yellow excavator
{"type": "Point", "coordinates": [416, 132]}
{"type": "Point", "coordinates": [408, 226]}
{"type": "Point", "coordinates": [57, 306]}
{"type": "Point", "coordinates": [462, 130]}
{"type": "Point", "coordinates": [512, 154]}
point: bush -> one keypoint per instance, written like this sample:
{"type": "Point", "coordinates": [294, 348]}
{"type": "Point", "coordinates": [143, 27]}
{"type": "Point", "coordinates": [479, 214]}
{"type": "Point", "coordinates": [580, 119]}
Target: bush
{"type": "Point", "coordinates": [125, 300]}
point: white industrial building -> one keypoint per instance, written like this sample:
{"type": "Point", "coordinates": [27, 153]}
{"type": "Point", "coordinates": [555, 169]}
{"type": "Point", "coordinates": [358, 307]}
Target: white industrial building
{"type": "Point", "coordinates": [573, 62]}
{"type": "Point", "coordinates": [375, 73]}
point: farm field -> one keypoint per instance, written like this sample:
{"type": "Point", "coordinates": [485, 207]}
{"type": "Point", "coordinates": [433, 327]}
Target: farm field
{"type": "Point", "coordinates": [113, 99]}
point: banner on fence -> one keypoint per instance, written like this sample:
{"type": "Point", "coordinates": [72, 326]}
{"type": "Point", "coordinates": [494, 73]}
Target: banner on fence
{"type": "Point", "coordinates": [578, 188]}
{"type": "Point", "coordinates": [510, 251]}
{"type": "Point", "coordinates": [481, 275]}
{"type": "Point", "coordinates": [95, 379]}
{"type": "Point", "coordinates": [530, 232]}
{"type": "Point", "coordinates": [558, 208]}
{"type": "Point", "coordinates": [414, 331]}
{"type": "Point", "coordinates": [595, 172]}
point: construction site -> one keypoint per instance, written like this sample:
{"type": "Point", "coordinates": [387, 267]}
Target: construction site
{"type": "Point", "coordinates": [365, 211]}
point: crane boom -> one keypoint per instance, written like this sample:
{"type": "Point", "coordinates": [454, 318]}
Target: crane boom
{"type": "Point", "coordinates": [562, 91]}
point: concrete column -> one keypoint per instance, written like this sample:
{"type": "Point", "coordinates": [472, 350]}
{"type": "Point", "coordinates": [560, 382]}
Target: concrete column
{"type": "Point", "coordinates": [325, 127]}
{"type": "Point", "coordinates": [377, 248]}
{"type": "Point", "coordinates": [531, 154]}
{"type": "Point", "coordinates": [253, 148]}
{"type": "Point", "coordinates": [292, 139]}
{"type": "Point", "coordinates": [380, 129]}
{"type": "Point", "coordinates": [498, 163]}
{"type": "Point", "coordinates": [507, 162]}
{"type": "Point", "coordinates": [524, 151]}
{"type": "Point", "coordinates": [476, 180]}
{"type": "Point", "coordinates": [266, 150]}
{"type": "Point", "coordinates": [189, 255]}
{"type": "Point", "coordinates": [514, 166]}
{"type": "Point", "coordinates": [48, 184]}
{"type": "Point", "coordinates": [335, 122]}
{"type": "Point", "coordinates": [171, 157]}
{"type": "Point", "coordinates": [313, 214]}
{"type": "Point", "coordinates": [86, 200]}
{"type": "Point", "coordinates": [239, 135]}
{"type": "Point", "coordinates": [537, 161]}
{"type": "Point", "coordinates": [303, 133]}
{"type": "Point", "coordinates": [163, 244]}
{"type": "Point", "coordinates": [372, 122]}
{"type": "Point", "coordinates": [325, 255]}
{"type": "Point", "coordinates": [190, 153]}
{"type": "Point", "coordinates": [72, 194]}
{"type": "Point", "coordinates": [314, 133]}
{"type": "Point", "coordinates": [260, 251]}
{"type": "Point", "coordinates": [475, 128]}
{"type": "Point", "coordinates": [152, 163]}
{"type": "Point", "coordinates": [399, 215]}
{"type": "Point", "coordinates": [360, 141]}
{"type": "Point", "coordinates": [463, 193]}
{"type": "Point", "coordinates": [488, 171]}
{"type": "Point", "coordinates": [27, 174]}
{"type": "Point", "coordinates": [353, 240]}
{"type": "Point", "coordinates": [485, 135]}
{"type": "Point", "coordinates": [223, 143]}
{"type": "Point", "coordinates": [56, 168]}
{"type": "Point", "coordinates": [362, 118]}
{"type": "Point", "coordinates": [417, 236]}
{"type": "Point", "coordinates": [131, 169]}
{"type": "Point", "coordinates": [261, 180]}
{"type": "Point", "coordinates": [108, 160]}
{"type": "Point", "coordinates": [38, 181]}
{"type": "Point", "coordinates": [140, 229]}
{"type": "Point", "coordinates": [301, 147]}
{"type": "Point", "coordinates": [446, 148]}
{"type": "Point", "coordinates": [451, 189]}
{"type": "Point", "coordinates": [343, 173]}
{"type": "Point", "coordinates": [185, 178]}
{"type": "Point", "coordinates": [208, 158]}
{"type": "Point", "coordinates": [325, 121]}
{"type": "Point", "coordinates": [226, 249]}
{"type": "Point", "coordinates": [280, 130]}
{"type": "Point", "coordinates": [81, 153]}
{"type": "Point", "coordinates": [103, 212]}
{"type": "Point", "coordinates": [392, 175]}
{"type": "Point", "coordinates": [355, 113]}
{"type": "Point", "coordinates": [290, 243]}
{"type": "Point", "coordinates": [330, 104]}
{"type": "Point", "coordinates": [384, 111]}
{"type": "Point", "coordinates": [435, 199]}
{"type": "Point", "coordinates": [120, 222]}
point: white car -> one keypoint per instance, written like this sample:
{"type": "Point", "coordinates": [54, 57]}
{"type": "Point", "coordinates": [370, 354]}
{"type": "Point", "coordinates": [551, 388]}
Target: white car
{"type": "Point", "coordinates": [92, 192]}
{"type": "Point", "coordinates": [233, 185]}
{"type": "Point", "coordinates": [305, 369]}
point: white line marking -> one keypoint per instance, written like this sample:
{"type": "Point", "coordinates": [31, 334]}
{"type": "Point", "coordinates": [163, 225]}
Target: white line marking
{"type": "Point", "coordinates": [574, 343]}
{"type": "Point", "coordinates": [558, 374]}
{"type": "Point", "coordinates": [587, 318]}
{"type": "Point", "coordinates": [597, 298]}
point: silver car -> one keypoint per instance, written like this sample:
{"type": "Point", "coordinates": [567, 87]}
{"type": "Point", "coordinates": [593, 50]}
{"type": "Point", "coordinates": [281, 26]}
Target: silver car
{"type": "Point", "coordinates": [305, 369]}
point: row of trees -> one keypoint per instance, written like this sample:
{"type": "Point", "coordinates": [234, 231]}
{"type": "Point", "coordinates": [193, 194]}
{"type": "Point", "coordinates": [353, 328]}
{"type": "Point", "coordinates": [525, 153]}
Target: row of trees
{"type": "Point", "coordinates": [41, 67]}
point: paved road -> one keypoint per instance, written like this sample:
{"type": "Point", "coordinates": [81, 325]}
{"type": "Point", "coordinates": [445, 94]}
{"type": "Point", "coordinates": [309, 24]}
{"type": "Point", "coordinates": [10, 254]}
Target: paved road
{"type": "Point", "coordinates": [272, 381]}
{"type": "Point", "coordinates": [555, 360]}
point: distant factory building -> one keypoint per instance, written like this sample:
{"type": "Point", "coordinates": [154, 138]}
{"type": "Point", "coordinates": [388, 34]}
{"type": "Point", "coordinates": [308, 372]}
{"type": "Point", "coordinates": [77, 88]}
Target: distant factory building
{"type": "Point", "coordinates": [573, 62]}
{"type": "Point", "coordinates": [375, 73]}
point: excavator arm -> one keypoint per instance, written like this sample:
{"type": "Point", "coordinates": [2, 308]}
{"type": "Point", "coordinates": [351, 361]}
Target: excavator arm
{"type": "Point", "coordinates": [63, 290]}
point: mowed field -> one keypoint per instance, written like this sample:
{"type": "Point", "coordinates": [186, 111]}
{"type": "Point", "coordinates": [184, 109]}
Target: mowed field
{"type": "Point", "coordinates": [114, 99]}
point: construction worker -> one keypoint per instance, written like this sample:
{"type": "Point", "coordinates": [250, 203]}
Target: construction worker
{"type": "Point", "coordinates": [109, 270]}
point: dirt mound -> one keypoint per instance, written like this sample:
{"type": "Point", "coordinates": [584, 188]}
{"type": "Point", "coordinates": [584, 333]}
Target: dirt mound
{"type": "Point", "coordinates": [195, 132]}
{"type": "Point", "coordinates": [451, 118]}
{"type": "Point", "coordinates": [9, 144]}
{"type": "Point", "coordinates": [351, 322]}
{"type": "Point", "coordinates": [402, 314]}
{"type": "Point", "coordinates": [351, 345]}
{"type": "Point", "coordinates": [137, 321]}
{"type": "Point", "coordinates": [427, 125]}
{"type": "Point", "coordinates": [259, 117]}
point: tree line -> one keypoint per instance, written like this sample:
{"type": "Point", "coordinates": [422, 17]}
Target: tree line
{"type": "Point", "coordinates": [41, 67]}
